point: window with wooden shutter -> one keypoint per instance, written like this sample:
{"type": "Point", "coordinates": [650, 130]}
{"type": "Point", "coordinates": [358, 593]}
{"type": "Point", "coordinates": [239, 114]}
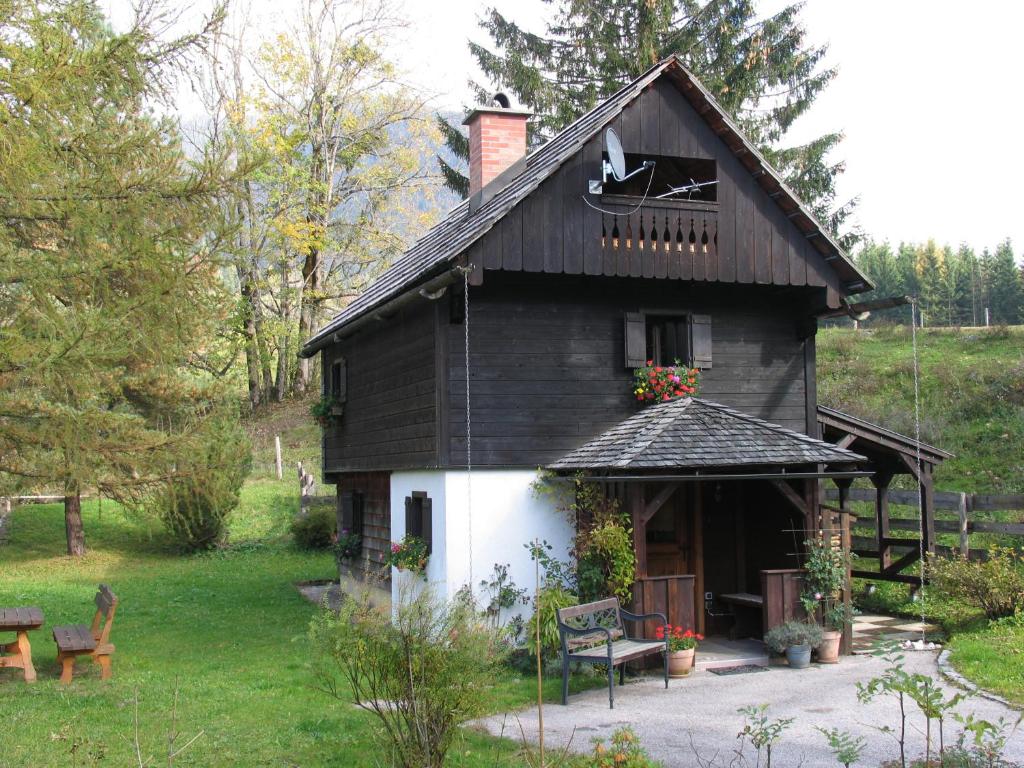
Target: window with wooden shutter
{"type": "Point", "coordinates": [338, 380]}
{"type": "Point", "coordinates": [700, 341]}
{"type": "Point", "coordinates": [419, 516]}
{"type": "Point", "coordinates": [345, 509]}
{"type": "Point", "coordinates": [636, 339]}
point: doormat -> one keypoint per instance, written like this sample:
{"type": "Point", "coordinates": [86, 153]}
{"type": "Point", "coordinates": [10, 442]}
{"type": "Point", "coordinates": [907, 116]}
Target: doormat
{"type": "Point", "coordinates": [739, 669]}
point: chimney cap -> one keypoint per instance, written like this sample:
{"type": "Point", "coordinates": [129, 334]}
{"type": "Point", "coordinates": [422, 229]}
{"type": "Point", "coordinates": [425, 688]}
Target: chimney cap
{"type": "Point", "coordinates": [500, 105]}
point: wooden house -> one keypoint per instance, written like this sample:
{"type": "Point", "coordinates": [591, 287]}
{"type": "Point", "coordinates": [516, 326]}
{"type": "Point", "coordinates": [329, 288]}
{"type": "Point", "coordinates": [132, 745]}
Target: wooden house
{"type": "Point", "coordinates": [505, 340]}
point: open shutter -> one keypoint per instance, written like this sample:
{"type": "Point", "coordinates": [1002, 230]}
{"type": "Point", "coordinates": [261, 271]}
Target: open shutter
{"type": "Point", "coordinates": [358, 512]}
{"type": "Point", "coordinates": [700, 341]}
{"type": "Point", "coordinates": [427, 523]}
{"type": "Point", "coordinates": [636, 339]}
{"type": "Point", "coordinates": [345, 511]}
{"type": "Point", "coordinates": [411, 529]}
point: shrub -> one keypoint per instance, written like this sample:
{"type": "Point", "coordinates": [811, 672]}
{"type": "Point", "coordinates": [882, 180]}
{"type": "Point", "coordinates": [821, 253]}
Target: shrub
{"type": "Point", "coordinates": [792, 634]}
{"type": "Point", "coordinates": [605, 560]}
{"type": "Point", "coordinates": [622, 751]}
{"type": "Point", "coordinates": [195, 504]}
{"type": "Point", "coordinates": [422, 673]}
{"type": "Point", "coordinates": [551, 598]}
{"type": "Point", "coordinates": [995, 586]}
{"type": "Point", "coordinates": [823, 587]}
{"type": "Point", "coordinates": [316, 529]}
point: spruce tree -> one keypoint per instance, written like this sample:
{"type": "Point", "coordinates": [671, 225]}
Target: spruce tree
{"type": "Point", "coordinates": [764, 71]}
{"type": "Point", "coordinates": [1005, 286]}
{"type": "Point", "coordinates": [109, 283]}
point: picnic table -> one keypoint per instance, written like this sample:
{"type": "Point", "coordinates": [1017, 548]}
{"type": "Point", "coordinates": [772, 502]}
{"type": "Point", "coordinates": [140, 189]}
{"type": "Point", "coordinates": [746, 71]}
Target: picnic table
{"type": "Point", "coordinates": [19, 653]}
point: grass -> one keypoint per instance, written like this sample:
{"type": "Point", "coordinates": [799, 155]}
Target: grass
{"type": "Point", "coordinates": [972, 395]}
{"type": "Point", "coordinates": [227, 630]}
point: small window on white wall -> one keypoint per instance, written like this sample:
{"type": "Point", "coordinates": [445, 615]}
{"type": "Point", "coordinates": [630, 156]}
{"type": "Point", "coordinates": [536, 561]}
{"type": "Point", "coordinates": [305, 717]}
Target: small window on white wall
{"type": "Point", "coordinates": [419, 518]}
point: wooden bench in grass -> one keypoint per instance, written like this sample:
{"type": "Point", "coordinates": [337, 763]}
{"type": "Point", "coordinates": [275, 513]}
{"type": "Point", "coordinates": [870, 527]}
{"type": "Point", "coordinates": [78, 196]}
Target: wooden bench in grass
{"type": "Point", "coordinates": [76, 640]}
{"type": "Point", "coordinates": [594, 633]}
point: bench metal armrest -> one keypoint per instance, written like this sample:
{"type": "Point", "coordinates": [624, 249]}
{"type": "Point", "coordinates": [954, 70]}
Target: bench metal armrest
{"type": "Point", "coordinates": [629, 616]}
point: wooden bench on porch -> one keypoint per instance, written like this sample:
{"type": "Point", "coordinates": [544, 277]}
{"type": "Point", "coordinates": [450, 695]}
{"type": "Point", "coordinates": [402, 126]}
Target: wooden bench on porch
{"type": "Point", "coordinates": [746, 609]}
{"type": "Point", "coordinates": [594, 633]}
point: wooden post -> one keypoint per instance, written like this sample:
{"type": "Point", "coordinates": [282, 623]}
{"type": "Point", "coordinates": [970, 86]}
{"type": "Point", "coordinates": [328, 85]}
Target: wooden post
{"type": "Point", "coordinates": [278, 466]}
{"type": "Point", "coordinates": [699, 608]}
{"type": "Point", "coordinates": [965, 544]}
{"type": "Point", "coordinates": [881, 482]}
{"type": "Point", "coordinates": [927, 508]}
{"type": "Point", "coordinates": [844, 527]}
{"type": "Point", "coordinates": [637, 506]}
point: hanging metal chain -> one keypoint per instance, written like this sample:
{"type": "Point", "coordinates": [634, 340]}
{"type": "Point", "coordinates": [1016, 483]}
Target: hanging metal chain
{"type": "Point", "coordinates": [469, 431]}
{"type": "Point", "coordinates": [917, 451]}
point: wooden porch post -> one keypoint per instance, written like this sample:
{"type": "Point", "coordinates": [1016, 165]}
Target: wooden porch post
{"type": "Point", "coordinates": [636, 505]}
{"type": "Point", "coordinates": [881, 480]}
{"type": "Point", "coordinates": [844, 527]}
{"type": "Point", "coordinates": [927, 508]}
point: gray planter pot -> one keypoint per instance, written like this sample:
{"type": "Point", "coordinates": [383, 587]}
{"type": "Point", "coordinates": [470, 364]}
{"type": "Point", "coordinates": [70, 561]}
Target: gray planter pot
{"type": "Point", "coordinates": [799, 656]}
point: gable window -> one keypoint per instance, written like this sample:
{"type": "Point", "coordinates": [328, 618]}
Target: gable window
{"type": "Point", "coordinates": [669, 173]}
{"type": "Point", "coordinates": [666, 337]}
{"type": "Point", "coordinates": [419, 518]}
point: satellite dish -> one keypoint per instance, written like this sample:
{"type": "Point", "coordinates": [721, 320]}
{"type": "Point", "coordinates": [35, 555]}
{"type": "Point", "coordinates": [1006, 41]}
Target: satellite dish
{"type": "Point", "coordinates": [616, 157]}
{"type": "Point", "coordinates": [615, 165]}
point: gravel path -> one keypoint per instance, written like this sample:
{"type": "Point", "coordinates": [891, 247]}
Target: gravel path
{"type": "Point", "coordinates": [701, 712]}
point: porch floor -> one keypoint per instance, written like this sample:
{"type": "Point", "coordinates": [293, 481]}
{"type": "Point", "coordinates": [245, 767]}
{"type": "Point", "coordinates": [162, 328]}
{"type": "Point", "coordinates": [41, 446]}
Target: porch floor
{"type": "Point", "coordinates": [715, 652]}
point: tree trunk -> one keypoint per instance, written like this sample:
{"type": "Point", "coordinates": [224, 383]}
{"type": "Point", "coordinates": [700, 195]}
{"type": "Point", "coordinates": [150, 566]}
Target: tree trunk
{"type": "Point", "coordinates": [73, 521]}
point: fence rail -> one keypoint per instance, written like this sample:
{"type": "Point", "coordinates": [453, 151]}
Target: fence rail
{"type": "Point", "coordinates": [964, 504]}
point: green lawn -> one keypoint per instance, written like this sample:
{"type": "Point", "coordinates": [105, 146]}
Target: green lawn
{"type": "Point", "coordinates": [227, 630]}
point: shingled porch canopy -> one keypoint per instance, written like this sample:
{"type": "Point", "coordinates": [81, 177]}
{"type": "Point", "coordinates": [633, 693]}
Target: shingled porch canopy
{"type": "Point", "coordinates": [720, 504]}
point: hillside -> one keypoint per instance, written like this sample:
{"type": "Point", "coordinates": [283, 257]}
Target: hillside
{"type": "Point", "coordinates": [972, 394]}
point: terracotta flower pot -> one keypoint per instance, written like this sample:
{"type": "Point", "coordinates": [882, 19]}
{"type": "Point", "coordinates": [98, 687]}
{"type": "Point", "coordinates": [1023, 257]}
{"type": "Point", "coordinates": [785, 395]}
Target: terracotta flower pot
{"type": "Point", "coordinates": [828, 651]}
{"type": "Point", "coordinates": [680, 663]}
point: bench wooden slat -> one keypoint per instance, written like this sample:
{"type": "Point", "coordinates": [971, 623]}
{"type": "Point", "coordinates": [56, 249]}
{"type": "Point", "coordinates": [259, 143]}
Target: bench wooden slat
{"type": "Point", "coordinates": [743, 598]}
{"type": "Point", "coordinates": [73, 638]}
{"type": "Point", "coordinates": [622, 650]}
{"type": "Point", "coordinates": [574, 611]}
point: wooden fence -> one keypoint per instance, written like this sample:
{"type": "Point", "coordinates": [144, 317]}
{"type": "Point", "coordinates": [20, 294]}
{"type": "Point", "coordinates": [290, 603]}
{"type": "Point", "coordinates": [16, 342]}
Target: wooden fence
{"type": "Point", "coordinates": [965, 524]}
{"type": "Point", "coordinates": [307, 493]}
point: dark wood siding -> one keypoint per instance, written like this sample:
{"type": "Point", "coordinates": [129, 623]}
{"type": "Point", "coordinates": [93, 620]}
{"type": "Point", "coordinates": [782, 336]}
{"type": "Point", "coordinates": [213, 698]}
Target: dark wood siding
{"type": "Point", "coordinates": [390, 412]}
{"type": "Point", "coordinates": [548, 360]}
{"type": "Point", "coordinates": [376, 490]}
{"type": "Point", "coordinates": [751, 239]}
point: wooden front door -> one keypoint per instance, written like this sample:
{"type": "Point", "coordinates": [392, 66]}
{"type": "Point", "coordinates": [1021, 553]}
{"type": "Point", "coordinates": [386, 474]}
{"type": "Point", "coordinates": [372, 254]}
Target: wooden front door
{"type": "Point", "coordinates": [670, 537]}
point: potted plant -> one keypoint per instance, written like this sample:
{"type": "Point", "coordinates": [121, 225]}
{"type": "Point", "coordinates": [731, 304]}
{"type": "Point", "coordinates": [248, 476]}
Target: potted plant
{"type": "Point", "coordinates": [682, 646]}
{"type": "Point", "coordinates": [795, 639]}
{"type": "Point", "coordinates": [347, 545]}
{"type": "Point", "coordinates": [409, 554]}
{"type": "Point", "coordinates": [822, 598]}
{"type": "Point", "coordinates": [658, 383]}
{"type": "Point", "coordinates": [325, 410]}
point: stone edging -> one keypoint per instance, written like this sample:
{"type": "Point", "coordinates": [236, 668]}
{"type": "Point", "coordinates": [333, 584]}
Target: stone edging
{"type": "Point", "coordinates": [947, 671]}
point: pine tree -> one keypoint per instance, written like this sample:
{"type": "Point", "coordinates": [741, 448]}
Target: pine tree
{"type": "Point", "coordinates": [1005, 287]}
{"type": "Point", "coordinates": [764, 71]}
{"type": "Point", "coordinates": [108, 259]}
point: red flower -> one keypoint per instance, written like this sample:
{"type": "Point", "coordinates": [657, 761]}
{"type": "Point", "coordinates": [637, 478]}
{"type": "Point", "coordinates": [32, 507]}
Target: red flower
{"type": "Point", "coordinates": [650, 362]}
{"type": "Point", "coordinates": [658, 369]}
{"type": "Point", "coordinates": [665, 397]}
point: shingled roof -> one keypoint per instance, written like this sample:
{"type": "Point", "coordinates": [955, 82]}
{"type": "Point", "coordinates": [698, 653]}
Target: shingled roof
{"type": "Point", "coordinates": [690, 433]}
{"type": "Point", "coordinates": [463, 226]}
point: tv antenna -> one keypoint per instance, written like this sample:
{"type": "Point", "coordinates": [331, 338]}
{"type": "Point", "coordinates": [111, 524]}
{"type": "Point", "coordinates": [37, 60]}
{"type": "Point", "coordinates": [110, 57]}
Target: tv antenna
{"type": "Point", "coordinates": [689, 190]}
{"type": "Point", "coordinates": [615, 165]}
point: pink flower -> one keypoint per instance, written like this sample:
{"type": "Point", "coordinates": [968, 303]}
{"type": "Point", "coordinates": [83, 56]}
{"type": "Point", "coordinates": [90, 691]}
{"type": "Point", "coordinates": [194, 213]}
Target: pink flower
{"type": "Point", "coordinates": [817, 595]}
{"type": "Point", "coordinates": [395, 548]}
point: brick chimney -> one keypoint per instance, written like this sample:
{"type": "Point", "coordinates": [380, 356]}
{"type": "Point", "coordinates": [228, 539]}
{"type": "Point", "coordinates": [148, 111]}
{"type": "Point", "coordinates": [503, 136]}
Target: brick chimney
{"type": "Point", "coordinates": [497, 138]}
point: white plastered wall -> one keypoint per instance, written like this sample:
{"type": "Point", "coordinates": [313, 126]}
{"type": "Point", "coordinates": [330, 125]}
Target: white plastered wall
{"type": "Point", "coordinates": [506, 515]}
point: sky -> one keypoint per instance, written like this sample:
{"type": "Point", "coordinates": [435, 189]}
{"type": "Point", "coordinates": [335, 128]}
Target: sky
{"type": "Point", "coordinates": [928, 96]}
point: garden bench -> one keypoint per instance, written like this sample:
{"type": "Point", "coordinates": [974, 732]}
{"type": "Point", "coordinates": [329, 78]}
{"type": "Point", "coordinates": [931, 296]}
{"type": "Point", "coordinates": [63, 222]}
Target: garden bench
{"type": "Point", "coordinates": [744, 606]}
{"type": "Point", "coordinates": [76, 640]}
{"type": "Point", "coordinates": [594, 633]}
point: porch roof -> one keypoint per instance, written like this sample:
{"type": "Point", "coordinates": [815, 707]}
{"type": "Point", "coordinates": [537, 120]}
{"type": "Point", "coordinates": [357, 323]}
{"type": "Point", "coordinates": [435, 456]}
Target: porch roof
{"type": "Point", "coordinates": [691, 433]}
